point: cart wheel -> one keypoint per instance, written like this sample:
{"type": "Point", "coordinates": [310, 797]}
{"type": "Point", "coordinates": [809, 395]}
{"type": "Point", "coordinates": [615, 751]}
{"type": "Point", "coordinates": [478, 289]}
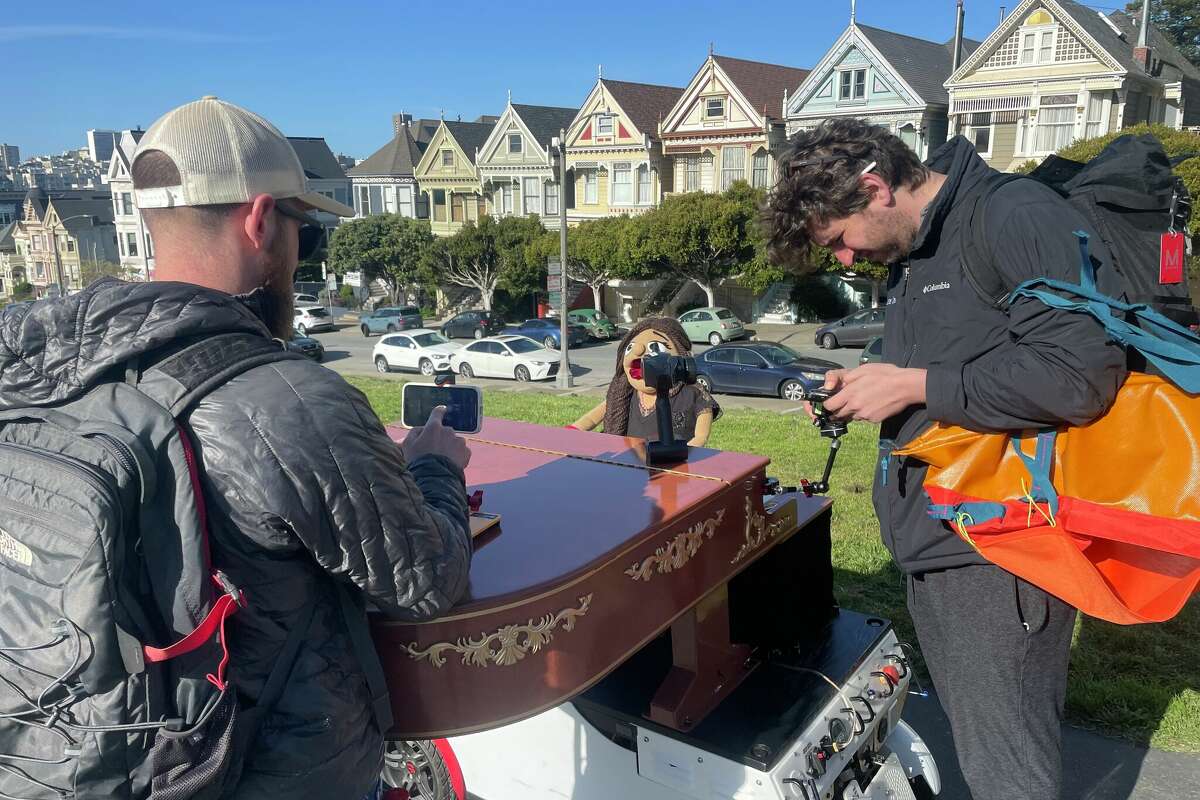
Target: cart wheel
{"type": "Point", "coordinates": [415, 769]}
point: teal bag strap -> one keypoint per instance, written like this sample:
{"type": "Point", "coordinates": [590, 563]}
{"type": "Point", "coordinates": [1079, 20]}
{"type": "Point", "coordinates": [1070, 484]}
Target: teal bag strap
{"type": "Point", "coordinates": [1172, 348]}
{"type": "Point", "coordinates": [1038, 464]}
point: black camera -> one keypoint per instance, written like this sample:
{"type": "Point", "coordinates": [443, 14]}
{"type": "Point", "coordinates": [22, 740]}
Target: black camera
{"type": "Point", "coordinates": [662, 372]}
{"type": "Point", "coordinates": [830, 428]}
{"type": "Point", "coordinates": [665, 370]}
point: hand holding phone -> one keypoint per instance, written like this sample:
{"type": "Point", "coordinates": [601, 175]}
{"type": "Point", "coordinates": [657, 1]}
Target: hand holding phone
{"type": "Point", "coordinates": [436, 438]}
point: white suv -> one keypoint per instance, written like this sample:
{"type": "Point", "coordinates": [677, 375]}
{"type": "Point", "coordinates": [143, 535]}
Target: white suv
{"type": "Point", "coordinates": [311, 319]}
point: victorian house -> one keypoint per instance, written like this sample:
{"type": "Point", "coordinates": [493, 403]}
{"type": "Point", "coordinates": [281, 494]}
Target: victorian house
{"type": "Point", "coordinates": [728, 124]}
{"type": "Point", "coordinates": [135, 248]}
{"type": "Point", "coordinates": [59, 233]}
{"type": "Point", "coordinates": [613, 150]}
{"type": "Point", "coordinates": [385, 182]}
{"type": "Point", "coordinates": [886, 78]}
{"type": "Point", "coordinates": [1055, 71]}
{"type": "Point", "coordinates": [516, 164]}
{"type": "Point", "coordinates": [448, 176]}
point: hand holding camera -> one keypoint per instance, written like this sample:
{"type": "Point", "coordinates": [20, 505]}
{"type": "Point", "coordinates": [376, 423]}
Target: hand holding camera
{"type": "Point", "coordinates": [438, 439]}
{"type": "Point", "coordinates": [872, 392]}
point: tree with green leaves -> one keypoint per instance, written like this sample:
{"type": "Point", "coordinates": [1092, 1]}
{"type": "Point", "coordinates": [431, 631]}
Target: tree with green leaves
{"type": "Point", "coordinates": [1178, 19]}
{"type": "Point", "coordinates": [485, 255]}
{"type": "Point", "coordinates": [705, 238]}
{"type": "Point", "coordinates": [386, 247]}
{"type": "Point", "coordinates": [90, 271]}
{"type": "Point", "coordinates": [597, 252]}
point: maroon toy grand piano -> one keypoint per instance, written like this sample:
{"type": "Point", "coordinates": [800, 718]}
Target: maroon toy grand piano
{"type": "Point", "coordinates": [595, 556]}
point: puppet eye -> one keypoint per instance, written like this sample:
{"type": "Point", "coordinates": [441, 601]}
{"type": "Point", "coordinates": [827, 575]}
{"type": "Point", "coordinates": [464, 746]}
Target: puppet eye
{"type": "Point", "coordinates": [656, 348]}
{"type": "Point", "coordinates": [629, 348]}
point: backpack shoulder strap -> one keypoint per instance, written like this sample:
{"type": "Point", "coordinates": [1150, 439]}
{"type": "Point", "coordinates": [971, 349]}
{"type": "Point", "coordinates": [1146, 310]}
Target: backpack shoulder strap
{"type": "Point", "coordinates": [978, 265]}
{"type": "Point", "coordinates": [185, 376]}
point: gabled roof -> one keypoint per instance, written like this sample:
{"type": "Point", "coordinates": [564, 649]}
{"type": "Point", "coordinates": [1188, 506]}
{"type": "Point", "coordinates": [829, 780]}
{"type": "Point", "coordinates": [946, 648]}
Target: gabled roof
{"type": "Point", "coordinates": [922, 64]}
{"type": "Point", "coordinates": [424, 129]}
{"type": "Point", "coordinates": [545, 122]}
{"type": "Point", "coordinates": [67, 207]}
{"type": "Point", "coordinates": [1161, 46]}
{"type": "Point", "coordinates": [1094, 24]}
{"type": "Point", "coordinates": [6, 237]}
{"type": "Point", "coordinates": [316, 158]}
{"type": "Point", "coordinates": [762, 84]}
{"type": "Point", "coordinates": [470, 136]}
{"type": "Point", "coordinates": [643, 103]}
{"type": "Point", "coordinates": [399, 157]}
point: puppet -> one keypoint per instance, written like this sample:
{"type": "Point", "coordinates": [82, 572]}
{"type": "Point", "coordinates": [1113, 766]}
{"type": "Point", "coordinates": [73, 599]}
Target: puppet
{"type": "Point", "coordinates": [628, 409]}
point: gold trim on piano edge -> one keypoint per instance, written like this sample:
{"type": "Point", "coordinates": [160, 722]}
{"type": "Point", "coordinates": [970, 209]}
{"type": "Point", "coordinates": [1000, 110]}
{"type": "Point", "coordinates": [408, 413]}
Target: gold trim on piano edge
{"type": "Point", "coordinates": [512, 642]}
{"type": "Point", "coordinates": [676, 552]}
{"type": "Point", "coordinates": [758, 531]}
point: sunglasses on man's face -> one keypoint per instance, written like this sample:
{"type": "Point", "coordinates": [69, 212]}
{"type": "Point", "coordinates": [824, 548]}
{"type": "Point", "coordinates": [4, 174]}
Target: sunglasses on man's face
{"type": "Point", "coordinates": [310, 233]}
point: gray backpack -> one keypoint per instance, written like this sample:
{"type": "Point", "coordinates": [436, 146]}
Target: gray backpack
{"type": "Point", "coordinates": [113, 666]}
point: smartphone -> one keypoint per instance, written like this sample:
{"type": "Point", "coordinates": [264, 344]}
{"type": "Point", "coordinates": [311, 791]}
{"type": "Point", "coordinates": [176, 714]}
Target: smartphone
{"type": "Point", "coordinates": [464, 405]}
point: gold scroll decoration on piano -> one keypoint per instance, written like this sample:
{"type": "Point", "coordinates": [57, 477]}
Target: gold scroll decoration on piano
{"type": "Point", "coordinates": [507, 645]}
{"type": "Point", "coordinates": [676, 552]}
{"type": "Point", "coordinates": [760, 529]}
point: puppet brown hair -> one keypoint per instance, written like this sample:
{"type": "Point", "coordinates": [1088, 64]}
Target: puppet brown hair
{"type": "Point", "coordinates": [616, 410]}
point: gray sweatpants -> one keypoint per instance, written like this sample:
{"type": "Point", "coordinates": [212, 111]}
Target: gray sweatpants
{"type": "Point", "coordinates": [997, 649]}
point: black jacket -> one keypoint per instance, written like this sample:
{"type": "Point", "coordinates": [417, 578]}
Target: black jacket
{"type": "Point", "coordinates": [988, 370]}
{"type": "Point", "coordinates": [303, 488]}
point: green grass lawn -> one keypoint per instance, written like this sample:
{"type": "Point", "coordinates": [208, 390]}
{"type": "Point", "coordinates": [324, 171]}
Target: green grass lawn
{"type": "Point", "coordinates": [1135, 682]}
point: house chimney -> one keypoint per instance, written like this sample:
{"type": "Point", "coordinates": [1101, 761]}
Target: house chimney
{"type": "Point", "coordinates": [1141, 53]}
{"type": "Point", "coordinates": [399, 121]}
{"type": "Point", "coordinates": [958, 37]}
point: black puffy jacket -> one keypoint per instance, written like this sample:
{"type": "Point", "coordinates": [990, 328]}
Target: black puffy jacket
{"type": "Point", "coordinates": [303, 488]}
{"type": "Point", "coordinates": [1027, 366]}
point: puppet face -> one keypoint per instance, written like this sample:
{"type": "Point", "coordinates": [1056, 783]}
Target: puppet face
{"type": "Point", "coordinates": [647, 343]}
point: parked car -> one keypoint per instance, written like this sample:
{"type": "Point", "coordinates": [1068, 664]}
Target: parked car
{"type": "Point", "coordinates": [424, 350]}
{"type": "Point", "coordinates": [597, 324]}
{"type": "Point", "coordinates": [306, 300]}
{"type": "Point", "coordinates": [549, 333]}
{"type": "Point", "coordinates": [473, 325]}
{"type": "Point", "coordinates": [389, 319]}
{"type": "Point", "coordinates": [873, 352]}
{"type": "Point", "coordinates": [308, 319]}
{"type": "Point", "coordinates": [506, 357]}
{"type": "Point", "coordinates": [761, 368]}
{"type": "Point", "coordinates": [307, 347]}
{"type": "Point", "coordinates": [855, 329]}
{"type": "Point", "coordinates": [712, 325]}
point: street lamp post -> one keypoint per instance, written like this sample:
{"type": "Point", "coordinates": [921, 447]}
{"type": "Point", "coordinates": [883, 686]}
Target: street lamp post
{"type": "Point", "coordinates": [565, 379]}
{"type": "Point", "coordinates": [58, 268]}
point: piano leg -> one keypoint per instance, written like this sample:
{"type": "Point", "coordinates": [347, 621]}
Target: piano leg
{"type": "Point", "coordinates": [707, 665]}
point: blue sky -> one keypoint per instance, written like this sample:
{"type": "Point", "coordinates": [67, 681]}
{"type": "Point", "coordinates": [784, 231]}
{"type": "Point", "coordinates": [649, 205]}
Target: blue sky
{"type": "Point", "coordinates": [341, 69]}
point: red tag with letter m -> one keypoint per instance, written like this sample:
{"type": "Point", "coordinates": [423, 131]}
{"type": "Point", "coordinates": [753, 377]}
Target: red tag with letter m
{"type": "Point", "coordinates": [1170, 260]}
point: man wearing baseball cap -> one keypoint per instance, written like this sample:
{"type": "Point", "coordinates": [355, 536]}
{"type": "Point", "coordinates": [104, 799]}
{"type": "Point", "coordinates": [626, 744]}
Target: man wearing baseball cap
{"type": "Point", "coordinates": [312, 510]}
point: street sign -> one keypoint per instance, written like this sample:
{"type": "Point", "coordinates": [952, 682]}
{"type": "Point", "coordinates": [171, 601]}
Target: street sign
{"type": "Point", "coordinates": [553, 266]}
{"type": "Point", "coordinates": [352, 279]}
{"type": "Point", "coordinates": [555, 299]}
{"type": "Point", "coordinates": [554, 283]}
{"type": "Point", "coordinates": [331, 282]}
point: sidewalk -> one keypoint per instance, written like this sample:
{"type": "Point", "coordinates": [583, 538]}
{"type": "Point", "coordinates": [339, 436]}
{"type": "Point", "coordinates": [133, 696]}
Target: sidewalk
{"type": "Point", "coordinates": [1094, 767]}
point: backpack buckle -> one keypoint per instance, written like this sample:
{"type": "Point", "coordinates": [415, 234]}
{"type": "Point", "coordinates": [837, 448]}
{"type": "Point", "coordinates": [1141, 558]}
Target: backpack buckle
{"type": "Point", "coordinates": [222, 580]}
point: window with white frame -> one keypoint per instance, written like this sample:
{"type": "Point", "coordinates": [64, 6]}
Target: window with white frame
{"type": "Point", "coordinates": [516, 144]}
{"type": "Point", "coordinates": [979, 131]}
{"type": "Point", "coordinates": [121, 246]}
{"type": "Point", "coordinates": [622, 183]}
{"type": "Point", "coordinates": [1055, 123]}
{"type": "Point", "coordinates": [1096, 117]}
{"type": "Point", "coordinates": [733, 166]}
{"type": "Point", "coordinates": [551, 198]}
{"type": "Point", "coordinates": [909, 135]}
{"type": "Point", "coordinates": [531, 198]}
{"type": "Point", "coordinates": [759, 176]}
{"type": "Point", "coordinates": [389, 200]}
{"type": "Point", "coordinates": [131, 243]}
{"type": "Point", "coordinates": [691, 174]}
{"type": "Point", "coordinates": [126, 204]}
{"type": "Point", "coordinates": [404, 201]}
{"type": "Point", "coordinates": [364, 201]}
{"type": "Point", "coordinates": [69, 244]}
{"type": "Point", "coordinates": [714, 108]}
{"type": "Point", "coordinates": [149, 246]}
{"type": "Point", "coordinates": [604, 126]}
{"type": "Point", "coordinates": [447, 158]}
{"type": "Point", "coordinates": [506, 199]}
{"type": "Point", "coordinates": [1037, 46]}
{"type": "Point", "coordinates": [643, 184]}
{"type": "Point", "coordinates": [590, 196]}
{"type": "Point", "coordinates": [852, 84]}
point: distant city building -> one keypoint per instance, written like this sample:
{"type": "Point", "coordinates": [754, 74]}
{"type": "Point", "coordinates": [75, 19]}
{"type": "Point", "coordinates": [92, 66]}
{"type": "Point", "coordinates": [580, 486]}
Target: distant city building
{"type": "Point", "coordinates": [10, 157]}
{"type": "Point", "coordinates": [101, 145]}
{"type": "Point", "coordinates": [65, 231]}
{"type": "Point", "coordinates": [346, 162]}
{"type": "Point", "coordinates": [135, 248]}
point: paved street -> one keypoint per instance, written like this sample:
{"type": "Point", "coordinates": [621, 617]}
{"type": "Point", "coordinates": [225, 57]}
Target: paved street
{"type": "Point", "coordinates": [348, 352]}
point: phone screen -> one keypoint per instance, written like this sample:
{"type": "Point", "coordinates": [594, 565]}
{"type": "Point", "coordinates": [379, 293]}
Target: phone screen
{"type": "Point", "coordinates": [463, 412]}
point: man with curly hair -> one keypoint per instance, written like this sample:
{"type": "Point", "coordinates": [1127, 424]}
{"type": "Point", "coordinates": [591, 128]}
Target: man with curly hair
{"type": "Point", "coordinates": [997, 647]}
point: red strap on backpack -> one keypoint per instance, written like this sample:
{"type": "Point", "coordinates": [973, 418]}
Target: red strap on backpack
{"type": "Point", "coordinates": [225, 606]}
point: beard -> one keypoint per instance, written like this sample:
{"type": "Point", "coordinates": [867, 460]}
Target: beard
{"type": "Point", "coordinates": [277, 299]}
{"type": "Point", "coordinates": [896, 236]}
